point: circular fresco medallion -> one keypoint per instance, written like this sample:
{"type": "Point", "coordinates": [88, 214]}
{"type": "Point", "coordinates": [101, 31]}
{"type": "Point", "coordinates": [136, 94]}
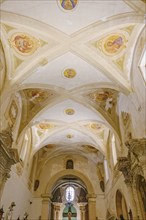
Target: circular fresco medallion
{"type": "Point", "coordinates": [69, 73]}
{"type": "Point", "coordinates": [113, 44]}
{"type": "Point", "coordinates": [69, 136]}
{"type": "Point", "coordinates": [68, 4]}
{"type": "Point", "coordinates": [69, 111]}
{"type": "Point", "coordinates": [24, 43]}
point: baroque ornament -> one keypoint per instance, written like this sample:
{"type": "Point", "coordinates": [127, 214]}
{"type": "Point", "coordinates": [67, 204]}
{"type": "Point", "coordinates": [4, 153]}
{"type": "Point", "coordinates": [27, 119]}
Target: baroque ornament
{"type": "Point", "coordinates": [24, 44]}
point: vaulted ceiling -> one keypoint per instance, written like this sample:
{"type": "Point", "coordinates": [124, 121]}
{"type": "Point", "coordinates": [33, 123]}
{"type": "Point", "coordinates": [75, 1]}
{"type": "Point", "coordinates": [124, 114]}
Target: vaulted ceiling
{"type": "Point", "coordinates": [64, 66]}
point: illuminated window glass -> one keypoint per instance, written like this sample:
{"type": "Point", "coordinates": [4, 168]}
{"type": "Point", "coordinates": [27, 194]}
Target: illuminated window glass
{"type": "Point", "coordinates": [143, 65]}
{"type": "Point", "coordinates": [114, 150]}
{"type": "Point", "coordinates": [70, 194]}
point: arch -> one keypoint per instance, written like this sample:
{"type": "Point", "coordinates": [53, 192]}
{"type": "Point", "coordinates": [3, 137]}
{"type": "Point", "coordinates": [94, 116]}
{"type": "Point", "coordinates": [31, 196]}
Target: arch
{"type": "Point", "coordinates": [56, 177]}
{"type": "Point", "coordinates": [141, 192]}
{"type": "Point", "coordinates": [121, 206]}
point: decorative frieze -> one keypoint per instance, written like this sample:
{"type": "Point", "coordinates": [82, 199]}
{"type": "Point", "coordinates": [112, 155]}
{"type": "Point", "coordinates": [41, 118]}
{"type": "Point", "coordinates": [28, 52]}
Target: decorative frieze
{"type": "Point", "coordinates": [125, 167]}
{"type": "Point", "coordinates": [8, 156]}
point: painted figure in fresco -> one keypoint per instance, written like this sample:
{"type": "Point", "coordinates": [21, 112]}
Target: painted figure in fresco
{"type": "Point", "coordinates": [68, 4]}
{"type": "Point", "coordinates": [23, 43]}
{"type": "Point", "coordinates": [37, 95]}
{"type": "Point", "coordinates": [113, 44]}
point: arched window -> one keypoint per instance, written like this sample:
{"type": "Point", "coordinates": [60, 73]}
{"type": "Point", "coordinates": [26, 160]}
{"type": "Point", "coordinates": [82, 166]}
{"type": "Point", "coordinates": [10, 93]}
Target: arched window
{"type": "Point", "coordinates": [70, 194]}
{"type": "Point", "coordinates": [24, 148]}
{"type": "Point", "coordinates": [106, 170]}
{"type": "Point", "coordinates": [69, 164]}
{"type": "Point", "coordinates": [114, 150]}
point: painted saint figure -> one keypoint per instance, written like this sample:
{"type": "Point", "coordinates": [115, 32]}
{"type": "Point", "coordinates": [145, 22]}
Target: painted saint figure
{"type": "Point", "coordinates": [114, 44]}
{"type": "Point", "coordinates": [23, 43]}
{"type": "Point", "coordinates": [68, 4]}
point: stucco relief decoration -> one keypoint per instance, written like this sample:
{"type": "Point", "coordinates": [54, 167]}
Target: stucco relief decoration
{"type": "Point", "coordinates": [112, 44]}
{"type": "Point", "coordinates": [45, 126]}
{"type": "Point", "coordinates": [12, 112]}
{"type": "Point", "coordinates": [24, 44]}
{"type": "Point", "coordinates": [69, 136]}
{"type": "Point", "coordinates": [127, 125]}
{"type": "Point", "coordinates": [96, 126]}
{"type": "Point", "coordinates": [68, 4]}
{"type": "Point", "coordinates": [105, 98]}
{"type": "Point", "coordinates": [19, 169]}
{"type": "Point", "coordinates": [69, 73]}
{"type": "Point", "coordinates": [70, 111]}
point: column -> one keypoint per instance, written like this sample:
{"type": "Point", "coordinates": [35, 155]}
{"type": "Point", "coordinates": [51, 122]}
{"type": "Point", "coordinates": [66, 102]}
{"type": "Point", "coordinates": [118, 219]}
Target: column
{"type": "Point", "coordinates": [8, 157]}
{"type": "Point", "coordinates": [124, 165]}
{"type": "Point", "coordinates": [56, 210]}
{"type": "Point", "coordinates": [82, 210]}
{"type": "Point", "coordinates": [92, 206]}
{"type": "Point", "coordinates": [45, 207]}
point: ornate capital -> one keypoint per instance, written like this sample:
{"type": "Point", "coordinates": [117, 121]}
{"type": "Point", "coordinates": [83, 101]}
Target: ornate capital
{"type": "Point", "coordinates": [124, 166]}
{"type": "Point", "coordinates": [137, 146]}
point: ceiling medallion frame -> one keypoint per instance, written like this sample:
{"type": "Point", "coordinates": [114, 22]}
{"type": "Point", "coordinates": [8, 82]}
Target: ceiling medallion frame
{"type": "Point", "coordinates": [69, 111]}
{"type": "Point", "coordinates": [69, 136]}
{"type": "Point", "coordinates": [24, 44]}
{"type": "Point", "coordinates": [69, 73]}
{"type": "Point", "coordinates": [60, 2]}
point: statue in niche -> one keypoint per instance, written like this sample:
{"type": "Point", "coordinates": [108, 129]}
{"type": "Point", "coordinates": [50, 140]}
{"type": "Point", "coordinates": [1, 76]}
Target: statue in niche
{"type": "Point", "coordinates": [121, 217]}
{"type": "Point", "coordinates": [36, 185]}
{"type": "Point", "coordinates": [69, 164]}
{"type": "Point", "coordinates": [130, 214]}
{"type": "Point", "coordinates": [102, 185]}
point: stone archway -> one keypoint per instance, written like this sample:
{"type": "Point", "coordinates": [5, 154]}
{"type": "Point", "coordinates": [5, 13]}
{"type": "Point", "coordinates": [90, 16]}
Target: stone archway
{"type": "Point", "coordinates": [49, 187]}
{"type": "Point", "coordinates": [141, 191]}
{"type": "Point", "coordinates": [121, 206]}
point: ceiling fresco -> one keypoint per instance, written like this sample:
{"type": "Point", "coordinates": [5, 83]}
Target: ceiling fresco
{"type": "Point", "coordinates": [69, 64]}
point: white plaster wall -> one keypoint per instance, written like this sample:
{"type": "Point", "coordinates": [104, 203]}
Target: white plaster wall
{"type": "Point", "coordinates": [134, 103]}
{"type": "Point", "coordinates": [16, 191]}
{"type": "Point", "coordinates": [35, 210]}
